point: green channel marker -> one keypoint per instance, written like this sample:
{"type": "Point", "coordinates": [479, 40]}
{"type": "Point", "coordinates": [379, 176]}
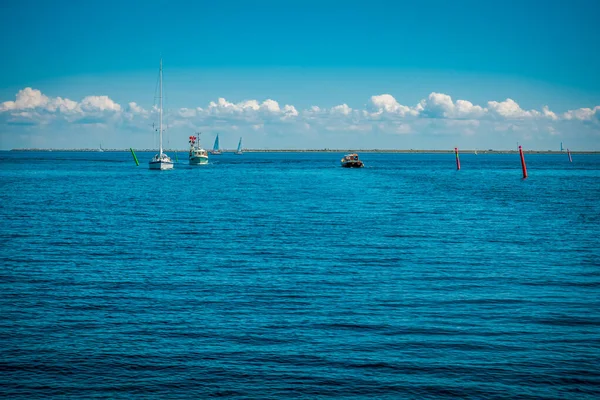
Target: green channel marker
{"type": "Point", "coordinates": [137, 163]}
{"type": "Point", "coordinates": [176, 159]}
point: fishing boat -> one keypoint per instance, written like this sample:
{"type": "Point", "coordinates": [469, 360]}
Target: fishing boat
{"type": "Point", "coordinates": [198, 156]}
{"type": "Point", "coordinates": [239, 149]}
{"type": "Point", "coordinates": [352, 161]}
{"type": "Point", "coordinates": [216, 150]}
{"type": "Point", "coordinates": [161, 161]}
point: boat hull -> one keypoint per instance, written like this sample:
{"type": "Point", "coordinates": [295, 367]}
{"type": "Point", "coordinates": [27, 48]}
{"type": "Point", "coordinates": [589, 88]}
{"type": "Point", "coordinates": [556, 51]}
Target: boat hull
{"type": "Point", "coordinates": [353, 164]}
{"type": "Point", "coordinates": [198, 160]}
{"type": "Point", "coordinates": [161, 165]}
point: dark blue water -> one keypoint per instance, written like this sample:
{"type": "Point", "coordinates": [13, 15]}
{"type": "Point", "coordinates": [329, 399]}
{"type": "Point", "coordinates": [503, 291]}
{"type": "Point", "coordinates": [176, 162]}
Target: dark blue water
{"type": "Point", "coordinates": [286, 276]}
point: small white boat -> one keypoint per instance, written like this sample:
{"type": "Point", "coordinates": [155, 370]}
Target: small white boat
{"type": "Point", "coordinates": [239, 149]}
{"type": "Point", "coordinates": [161, 161]}
{"type": "Point", "coordinates": [198, 156]}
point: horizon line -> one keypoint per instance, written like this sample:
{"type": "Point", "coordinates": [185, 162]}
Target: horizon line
{"type": "Point", "coordinates": [324, 150]}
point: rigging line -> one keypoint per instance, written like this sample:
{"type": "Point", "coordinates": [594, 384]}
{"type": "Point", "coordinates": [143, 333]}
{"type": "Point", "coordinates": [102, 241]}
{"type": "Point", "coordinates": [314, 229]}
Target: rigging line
{"type": "Point", "coordinates": [155, 124]}
{"type": "Point", "coordinates": [156, 86]}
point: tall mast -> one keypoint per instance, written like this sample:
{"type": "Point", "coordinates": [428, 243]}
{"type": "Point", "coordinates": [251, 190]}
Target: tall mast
{"type": "Point", "coordinates": [161, 110]}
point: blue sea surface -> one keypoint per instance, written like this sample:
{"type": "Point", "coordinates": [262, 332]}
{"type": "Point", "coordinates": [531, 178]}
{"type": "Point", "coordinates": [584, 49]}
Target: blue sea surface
{"type": "Point", "coordinates": [283, 275]}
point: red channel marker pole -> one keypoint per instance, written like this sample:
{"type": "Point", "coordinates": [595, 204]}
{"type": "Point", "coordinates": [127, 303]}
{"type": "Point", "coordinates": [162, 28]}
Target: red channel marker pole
{"type": "Point", "coordinates": [523, 163]}
{"type": "Point", "coordinates": [569, 153]}
{"type": "Point", "coordinates": [457, 159]}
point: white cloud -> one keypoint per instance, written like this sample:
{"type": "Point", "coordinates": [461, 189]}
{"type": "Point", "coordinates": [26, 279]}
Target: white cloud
{"type": "Point", "coordinates": [341, 109]}
{"type": "Point", "coordinates": [99, 103]}
{"type": "Point", "coordinates": [549, 114]}
{"type": "Point", "coordinates": [249, 105]}
{"type": "Point", "coordinates": [27, 98]}
{"type": "Point", "coordinates": [437, 105]}
{"type": "Point", "coordinates": [386, 103]}
{"type": "Point", "coordinates": [62, 105]}
{"type": "Point", "coordinates": [187, 112]}
{"type": "Point", "coordinates": [33, 99]}
{"type": "Point", "coordinates": [437, 114]}
{"type": "Point", "coordinates": [270, 105]}
{"type": "Point", "coordinates": [290, 111]}
{"type": "Point", "coordinates": [134, 108]}
{"type": "Point", "coordinates": [509, 109]}
{"type": "Point", "coordinates": [440, 105]}
{"type": "Point", "coordinates": [403, 129]}
{"type": "Point", "coordinates": [249, 108]}
{"type": "Point", "coordinates": [360, 128]}
{"type": "Point", "coordinates": [583, 114]}
{"type": "Point", "coordinates": [466, 109]}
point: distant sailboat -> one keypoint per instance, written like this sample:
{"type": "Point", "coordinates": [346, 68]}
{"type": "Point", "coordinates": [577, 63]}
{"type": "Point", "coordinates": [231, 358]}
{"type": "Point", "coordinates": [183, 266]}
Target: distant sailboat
{"type": "Point", "coordinates": [161, 161]}
{"type": "Point", "coordinates": [216, 150]}
{"type": "Point", "coordinates": [101, 150]}
{"type": "Point", "coordinates": [239, 149]}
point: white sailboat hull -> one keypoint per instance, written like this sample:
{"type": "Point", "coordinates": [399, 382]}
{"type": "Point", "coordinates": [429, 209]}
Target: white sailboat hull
{"type": "Point", "coordinates": [161, 165]}
{"type": "Point", "coordinates": [161, 162]}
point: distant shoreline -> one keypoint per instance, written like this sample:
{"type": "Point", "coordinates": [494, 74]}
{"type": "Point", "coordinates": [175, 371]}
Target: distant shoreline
{"type": "Point", "coordinates": [407, 151]}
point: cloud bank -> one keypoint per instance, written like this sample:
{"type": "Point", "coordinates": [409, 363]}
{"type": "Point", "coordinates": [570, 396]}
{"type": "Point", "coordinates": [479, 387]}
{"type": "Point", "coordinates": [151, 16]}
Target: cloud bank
{"type": "Point", "coordinates": [437, 114]}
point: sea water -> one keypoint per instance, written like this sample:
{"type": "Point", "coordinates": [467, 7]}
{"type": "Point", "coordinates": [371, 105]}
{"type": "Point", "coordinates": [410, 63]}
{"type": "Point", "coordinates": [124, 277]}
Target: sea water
{"type": "Point", "coordinates": [283, 275]}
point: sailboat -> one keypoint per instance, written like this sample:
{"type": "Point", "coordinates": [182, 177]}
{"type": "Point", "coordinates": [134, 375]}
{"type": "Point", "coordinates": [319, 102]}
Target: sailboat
{"type": "Point", "coordinates": [198, 156]}
{"type": "Point", "coordinates": [101, 150]}
{"type": "Point", "coordinates": [161, 161]}
{"type": "Point", "coordinates": [239, 149]}
{"type": "Point", "coordinates": [216, 150]}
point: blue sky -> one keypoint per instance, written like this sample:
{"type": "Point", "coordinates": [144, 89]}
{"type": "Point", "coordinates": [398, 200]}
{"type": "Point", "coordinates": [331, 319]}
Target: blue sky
{"type": "Point", "coordinates": [365, 74]}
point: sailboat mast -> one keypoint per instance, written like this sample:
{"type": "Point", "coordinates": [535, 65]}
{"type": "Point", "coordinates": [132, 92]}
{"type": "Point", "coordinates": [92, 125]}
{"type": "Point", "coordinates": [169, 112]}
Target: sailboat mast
{"type": "Point", "coordinates": [161, 110]}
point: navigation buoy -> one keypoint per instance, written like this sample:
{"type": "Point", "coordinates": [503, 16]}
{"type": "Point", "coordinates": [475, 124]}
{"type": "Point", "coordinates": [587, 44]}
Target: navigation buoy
{"type": "Point", "coordinates": [137, 163]}
{"type": "Point", "coordinates": [523, 163]}
{"type": "Point", "coordinates": [457, 159]}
